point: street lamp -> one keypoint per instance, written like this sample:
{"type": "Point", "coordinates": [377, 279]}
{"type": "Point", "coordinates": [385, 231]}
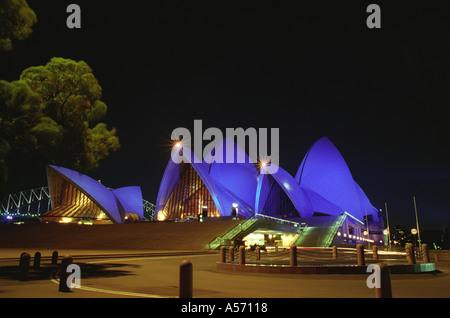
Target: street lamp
{"type": "Point", "coordinates": [417, 220]}
{"type": "Point", "coordinates": [414, 233]}
{"type": "Point", "coordinates": [388, 229]}
{"type": "Point", "coordinates": [234, 212]}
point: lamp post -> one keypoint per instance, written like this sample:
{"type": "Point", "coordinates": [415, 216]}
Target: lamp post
{"type": "Point", "coordinates": [368, 232]}
{"type": "Point", "coordinates": [417, 220]}
{"type": "Point", "coordinates": [234, 212]}
{"type": "Point", "coordinates": [388, 229]}
{"type": "Point", "coordinates": [414, 233]}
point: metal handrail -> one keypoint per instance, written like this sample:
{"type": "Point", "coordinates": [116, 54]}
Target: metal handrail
{"type": "Point", "coordinates": [278, 220]}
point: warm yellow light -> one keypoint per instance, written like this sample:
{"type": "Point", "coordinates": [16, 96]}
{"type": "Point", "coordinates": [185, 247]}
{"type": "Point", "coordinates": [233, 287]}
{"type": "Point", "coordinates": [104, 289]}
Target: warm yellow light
{"type": "Point", "coordinates": [65, 220]}
{"type": "Point", "coordinates": [263, 164]}
{"type": "Point", "coordinates": [161, 215]}
{"type": "Point", "coordinates": [178, 144]}
{"type": "Point", "coordinates": [101, 216]}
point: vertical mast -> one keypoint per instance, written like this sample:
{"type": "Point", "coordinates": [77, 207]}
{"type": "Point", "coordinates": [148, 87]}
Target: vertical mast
{"type": "Point", "coordinates": [388, 228]}
{"type": "Point", "coordinates": [417, 220]}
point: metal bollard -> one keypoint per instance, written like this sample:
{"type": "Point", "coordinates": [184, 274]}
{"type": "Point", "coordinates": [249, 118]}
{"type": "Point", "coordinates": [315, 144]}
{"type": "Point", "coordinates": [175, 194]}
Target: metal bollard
{"type": "Point", "coordinates": [37, 260]}
{"type": "Point", "coordinates": [375, 252]}
{"type": "Point", "coordinates": [231, 254]}
{"type": "Point", "coordinates": [293, 255]}
{"type": "Point", "coordinates": [242, 255]}
{"type": "Point", "coordinates": [386, 290]}
{"type": "Point", "coordinates": [186, 279]}
{"type": "Point", "coordinates": [24, 265]}
{"type": "Point", "coordinates": [223, 251]}
{"type": "Point", "coordinates": [360, 255]}
{"type": "Point", "coordinates": [425, 254]}
{"type": "Point", "coordinates": [54, 258]}
{"type": "Point", "coordinates": [335, 252]}
{"type": "Point", "coordinates": [63, 274]}
{"type": "Point", "coordinates": [410, 257]}
{"type": "Point", "coordinates": [258, 253]}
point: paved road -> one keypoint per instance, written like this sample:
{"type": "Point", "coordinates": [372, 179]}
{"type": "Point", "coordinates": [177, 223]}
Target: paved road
{"type": "Point", "coordinates": [156, 275]}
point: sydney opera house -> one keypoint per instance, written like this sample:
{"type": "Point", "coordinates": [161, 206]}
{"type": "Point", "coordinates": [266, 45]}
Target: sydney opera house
{"type": "Point", "coordinates": [323, 195]}
{"type": "Point", "coordinates": [77, 198]}
{"type": "Point", "coordinates": [322, 200]}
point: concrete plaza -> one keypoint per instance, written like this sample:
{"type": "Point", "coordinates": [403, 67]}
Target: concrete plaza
{"type": "Point", "coordinates": [138, 274]}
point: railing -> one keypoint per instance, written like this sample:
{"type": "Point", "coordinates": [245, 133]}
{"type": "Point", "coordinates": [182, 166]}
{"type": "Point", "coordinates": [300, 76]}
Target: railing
{"type": "Point", "coordinates": [232, 234]}
{"type": "Point", "coordinates": [336, 226]}
{"type": "Point", "coordinates": [187, 219]}
{"type": "Point", "coordinates": [277, 220]}
{"type": "Point", "coordinates": [243, 227]}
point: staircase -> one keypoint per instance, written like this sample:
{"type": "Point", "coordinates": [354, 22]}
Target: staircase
{"type": "Point", "coordinates": [239, 231]}
{"type": "Point", "coordinates": [257, 221]}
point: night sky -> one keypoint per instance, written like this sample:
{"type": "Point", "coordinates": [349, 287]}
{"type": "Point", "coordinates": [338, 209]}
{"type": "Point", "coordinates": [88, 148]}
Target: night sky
{"type": "Point", "coordinates": [382, 96]}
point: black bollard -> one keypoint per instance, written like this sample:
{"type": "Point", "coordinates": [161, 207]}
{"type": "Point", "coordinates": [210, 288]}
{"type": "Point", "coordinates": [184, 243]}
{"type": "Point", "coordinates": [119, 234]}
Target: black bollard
{"type": "Point", "coordinates": [242, 255]}
{"type": "Point", "coordinates": [360, 255]}
{"type": "Point", "coordinates": [186, 279]}
{"type": "Point", "coordinates": [293, 255]}
{"type": "Point", "coordinates": [385, 290]}
{"type": "Point", "coordinates": [37, 260]}
{"type": "Point", "coordinates": [54, 258]}
{"type": "Point", "coordinates": [63, 274]}
{"type": "Point", "coordinates": [24, 265]}
{"type": "Point", "coordinates": [223, 252]}
{"type": "Point", "coordinates": [231, 254]}
{"type": "Point", "coordinates": [20, 258]}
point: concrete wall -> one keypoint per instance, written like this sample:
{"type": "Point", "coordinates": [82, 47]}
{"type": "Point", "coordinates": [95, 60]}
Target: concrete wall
{"type": "Point", "coordinates": [132, 236]}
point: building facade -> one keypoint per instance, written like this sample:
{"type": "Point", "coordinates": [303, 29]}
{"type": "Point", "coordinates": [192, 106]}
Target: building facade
{"type": "Point", "coordinates": [77, 198]}
{"type": "Point", "coordinates": [323, 194]}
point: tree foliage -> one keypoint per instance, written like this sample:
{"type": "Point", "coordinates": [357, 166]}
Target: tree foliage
{"type": "Point", "coordinates": [16, 21]}
{"type": "Point", "coordinates": [55, 111]}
